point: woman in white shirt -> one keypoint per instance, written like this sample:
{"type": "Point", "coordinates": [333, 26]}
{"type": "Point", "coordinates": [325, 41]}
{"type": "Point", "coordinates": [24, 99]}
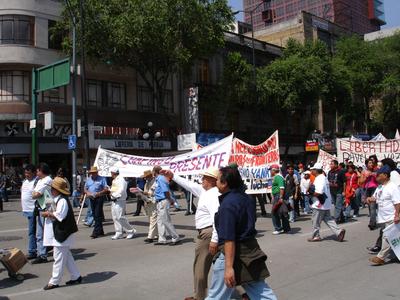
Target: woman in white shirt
{"type": "Point", "coordinates": [59, 230]}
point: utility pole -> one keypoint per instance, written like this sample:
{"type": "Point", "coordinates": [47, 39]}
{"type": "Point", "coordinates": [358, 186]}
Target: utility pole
{"type": "Point", "coordinates": [73, 91]}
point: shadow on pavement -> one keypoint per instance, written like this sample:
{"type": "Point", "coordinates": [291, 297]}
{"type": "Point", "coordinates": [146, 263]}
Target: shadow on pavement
{"type": "Point", "coordinates": [98, 277]}
{"type": "Point", "coordinates": [11, 282]}
{"type": "Point", "coordinates": [80, 255]}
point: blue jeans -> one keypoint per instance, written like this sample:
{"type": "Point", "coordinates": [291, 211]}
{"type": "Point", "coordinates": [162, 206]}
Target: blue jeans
{"type": "Point", "coordinates": [31, 232]}
{"type": "Point", "coordinates": [338, 204]}
{"type": "Point", "coordinates": [89, 214]}
{"type": "Point", "coordinates": [256, 290]}
{"type": "Point", "coordinates": [3, 194]}
{"type": "Point", "coordinates": [42, 250]}
{"type": "Point", "coordinates": [306, 199]}
{"type": "Point", "coordinates": [75, 198]}
{"type": "Point", "coordinates": [292, 213]}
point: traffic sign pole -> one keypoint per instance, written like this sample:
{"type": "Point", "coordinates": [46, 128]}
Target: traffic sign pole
{"type": "Point", "coordinates": [74, 101]}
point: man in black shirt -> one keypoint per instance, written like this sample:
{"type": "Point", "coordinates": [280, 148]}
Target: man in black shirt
{"type": "Point", "coordinates": [336, 178]}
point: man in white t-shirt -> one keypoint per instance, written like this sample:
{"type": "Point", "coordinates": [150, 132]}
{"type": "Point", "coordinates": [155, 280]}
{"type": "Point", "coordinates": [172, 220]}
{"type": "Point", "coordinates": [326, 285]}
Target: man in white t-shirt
{"type": "Point", "coordinates": [28, 207]}
{"type": "Point", "coordinates": [387, 197]}
{"type": "Point", "coordinates": [44, 183]}
{"type": "Point", "coordinates": [322, 202]}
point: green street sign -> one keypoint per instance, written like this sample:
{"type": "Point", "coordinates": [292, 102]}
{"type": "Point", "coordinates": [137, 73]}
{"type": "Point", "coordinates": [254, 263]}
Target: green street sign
{"type": "Point", "coordinates": [53, 76]}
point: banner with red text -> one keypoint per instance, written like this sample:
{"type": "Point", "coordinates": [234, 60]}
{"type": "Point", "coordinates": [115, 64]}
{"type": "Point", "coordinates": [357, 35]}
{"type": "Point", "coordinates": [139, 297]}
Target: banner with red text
{"type": "Point", "coordinates": [191, 163]}
{"type": "Point", "coordinates": [254, 162]}
{"type": "Point", "coordinates": [325, 159]}
{"type": "Point", "coordinates": [359, 151]}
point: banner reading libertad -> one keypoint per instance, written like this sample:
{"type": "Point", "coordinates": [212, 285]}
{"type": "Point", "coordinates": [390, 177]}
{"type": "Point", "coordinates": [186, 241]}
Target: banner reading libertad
{"type": "Point", "coordinates": [359, 151]}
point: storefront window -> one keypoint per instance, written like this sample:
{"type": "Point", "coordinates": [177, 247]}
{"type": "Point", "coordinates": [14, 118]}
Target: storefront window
{"type": "Point", "coordinates": [15, 29]}
{"type": "Point", "coordinates": [14, 86]}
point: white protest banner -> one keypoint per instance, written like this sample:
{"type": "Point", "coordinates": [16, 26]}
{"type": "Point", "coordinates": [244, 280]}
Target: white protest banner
{"type": "Point", "coordinates": [392, 233]}
{"type": "Point", "coordinates": [191, 163]}
{"type": "Point", "coordinates": [325, 159]}
{"type": "Point", "coordinates": [359, 151]}
{"type": "Point", "coordinates": [254, 162]}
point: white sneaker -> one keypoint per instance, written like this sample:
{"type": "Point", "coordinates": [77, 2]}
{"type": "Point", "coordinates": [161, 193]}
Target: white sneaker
{"type": "Point", "coordinates": [131, 234]}
{"type": "Point", "coordinates": [276, 232]}
{"type": "Point", "coordinates": [117, 237]}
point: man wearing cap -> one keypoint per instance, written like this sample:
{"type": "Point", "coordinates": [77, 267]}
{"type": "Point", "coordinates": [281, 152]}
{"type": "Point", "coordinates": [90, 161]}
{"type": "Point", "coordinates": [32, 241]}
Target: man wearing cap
{"type": "Point", "coordinates": [387, 197]}
{"type": "Point", "coordinates": [149, 204]}
{"type": "Point", "coordinates": [118, 198]}
{"type": "Point", "coordinates": [59, 232]}
{"type": "Point", "coordinates": [95, 188]}
{"type": "Point", "coordinates": [280, 217]}
{"type": "Point", "coordinates": [208, 204]}
{"type": "Point", "coordinates": [337, 179]}
{"type": "Point", "coordinates": [162, 196]}
{"type": "Point", "coordinates": [322, 202]}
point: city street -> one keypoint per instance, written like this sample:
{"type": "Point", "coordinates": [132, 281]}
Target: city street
{"type": "Point", "coordinates": [130, 269]}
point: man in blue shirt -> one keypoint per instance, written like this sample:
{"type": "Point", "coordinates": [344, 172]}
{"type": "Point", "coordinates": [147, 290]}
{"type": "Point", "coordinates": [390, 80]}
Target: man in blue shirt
{"type": "Point", "coordinates": [240, 259]}
{"type": "Point", "coordinates": [95, 189]}
{"type": "Point", "coordinates": [162, 195]}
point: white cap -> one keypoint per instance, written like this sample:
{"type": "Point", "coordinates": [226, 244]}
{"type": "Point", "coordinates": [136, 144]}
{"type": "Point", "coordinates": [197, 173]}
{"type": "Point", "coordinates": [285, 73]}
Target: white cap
{"type": "Point", "coordinates": [307, 172]}
{"type": "Point", "coordinates": [317, 166]}
{"type": "Point", "coordinates": [114, 170]}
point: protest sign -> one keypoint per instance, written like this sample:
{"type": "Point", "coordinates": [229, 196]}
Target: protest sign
{"type": "Point", "coordinates": [254, 162]}
{"type": "Point", "coordinates": [192, 163]}
{"type": "Point", "coordinates": [359, 151]}
{"type": "Point", "coordinates": [392, 233]}
{"type": "Point", "coordinates": [325, 159]}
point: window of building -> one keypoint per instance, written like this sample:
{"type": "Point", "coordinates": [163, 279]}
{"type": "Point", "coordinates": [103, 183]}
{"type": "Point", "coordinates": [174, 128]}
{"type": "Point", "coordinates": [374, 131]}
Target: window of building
{"type": "Point", "coordinates": [168, 103]}
{"type": "Point", "coordinates": [145, 99]}
{"type": "Point", "coordinates": [94, 93]}
{"type": "Point", "coordinates": [106, 94]}
{"type": "Point", "coordinates": [16, 29]}
{"type": "Point", "coordinates": [14, 86]}
{"type": "Point", "coordinates": [57, 95]}
{"type": "Point", "coordinates": [116, 95]}
{"type": "Point", "coordinates": [55, 37]}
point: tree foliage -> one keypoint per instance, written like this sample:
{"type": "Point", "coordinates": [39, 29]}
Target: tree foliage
{"type": "Point", "coordinates": [156, 38]}
{"type": "Point", "coordinates": [297, 79]}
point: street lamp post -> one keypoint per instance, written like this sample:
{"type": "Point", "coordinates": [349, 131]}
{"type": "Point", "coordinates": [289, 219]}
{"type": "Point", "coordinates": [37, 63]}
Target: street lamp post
{"type": "Point", "coordinates": [151, 135]}
{"type": "Point", "coordinates": [253, 48]}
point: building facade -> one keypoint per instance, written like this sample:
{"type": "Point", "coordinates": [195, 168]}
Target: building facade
{"type": "Point", "coordinates": [359, 16]}
{"type": "Point", "coordinates": [119, 104]}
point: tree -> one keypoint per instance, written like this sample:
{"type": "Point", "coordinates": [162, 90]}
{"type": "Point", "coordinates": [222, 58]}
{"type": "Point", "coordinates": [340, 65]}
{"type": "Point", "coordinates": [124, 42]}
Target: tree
{"type": "Point", "coordinates": [297, 79]}
{"type": "Point", "coordinates": [364, 70]}
{"type": "Point", "coordinates": [155, 38]}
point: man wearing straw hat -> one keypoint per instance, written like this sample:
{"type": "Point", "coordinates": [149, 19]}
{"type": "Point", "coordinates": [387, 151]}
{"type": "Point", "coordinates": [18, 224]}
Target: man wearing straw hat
{"type": "Point", "coordinates": [95, 188]}
{"type": "Point", "coordinates": [59, 230]}
{"type": "Point", "coordinates": [207, 206]}
{"type": "Point", "coordinates": [118, 198]}
{"type": "Point", "coordinates": [149, 204]}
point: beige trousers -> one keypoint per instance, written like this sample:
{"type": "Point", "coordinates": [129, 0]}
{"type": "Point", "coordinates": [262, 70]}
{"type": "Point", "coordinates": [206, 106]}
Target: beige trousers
{"type": "Point", "coordinates": [150, 209]}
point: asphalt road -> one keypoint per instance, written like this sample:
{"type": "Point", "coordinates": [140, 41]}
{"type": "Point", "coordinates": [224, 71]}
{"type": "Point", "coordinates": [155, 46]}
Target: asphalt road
{"type": "Point", "coordinates": [130, 269]}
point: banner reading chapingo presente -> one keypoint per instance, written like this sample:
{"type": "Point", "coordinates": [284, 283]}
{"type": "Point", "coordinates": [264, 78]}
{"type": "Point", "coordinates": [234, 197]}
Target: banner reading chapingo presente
{"type": "Point", "coordinates": [359, 151]}
{"type": "Point", "coordinates": [254, 162]}
{"type": "Point", "coordinates": [191, 163]}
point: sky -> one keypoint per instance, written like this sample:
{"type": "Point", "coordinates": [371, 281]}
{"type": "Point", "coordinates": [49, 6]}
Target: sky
{"type": "Point", "coordinates": [392, 11]}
